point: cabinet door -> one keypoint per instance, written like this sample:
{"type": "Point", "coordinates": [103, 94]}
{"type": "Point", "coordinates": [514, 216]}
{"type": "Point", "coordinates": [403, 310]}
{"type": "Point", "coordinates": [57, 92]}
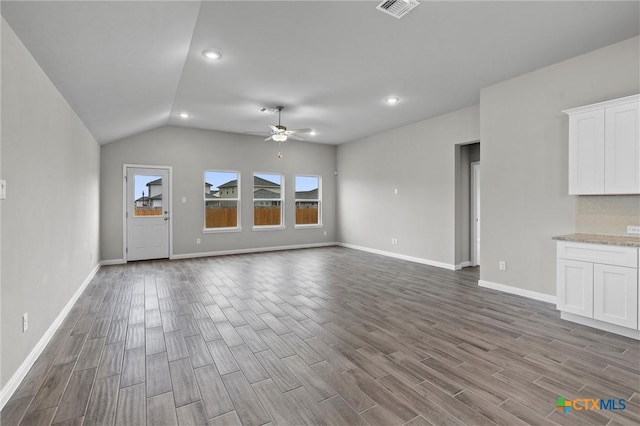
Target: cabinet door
{"type": "Point", "coordinates": [575, 287]}
{"type": "Point", "coordinates": [586, 152]}
{"type": "Point", "coordinates": [622, 149]}
{"type": "Point", "coordinates": [615, 295]}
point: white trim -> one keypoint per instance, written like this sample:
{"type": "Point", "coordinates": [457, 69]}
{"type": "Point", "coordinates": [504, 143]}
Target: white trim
{"type": "Point", "coordinates": [605, 104]}
{"type": "Point", "coordinates": [464, 264]}
{"type": "Point", "coordinates": [518, 291]}
{"type": "Point", "coordinates": [590, 322]}
{"type": "Point", "coordinates": [21, 372]}
{"type": "Point", "coordinates": [401, 256]}
{"type": "Point", "coordinates": [475, 212]}
{"type": "Point", "coordinates": [268, 228]}
{"type": "Point", "coordinates": [251, 250]}
{"type": "Point", "coordinates": [308, 226]}
{"type": "Point", "coordinates": [221, 230]}
{"type": "Point", "coordinates": [113, 262]}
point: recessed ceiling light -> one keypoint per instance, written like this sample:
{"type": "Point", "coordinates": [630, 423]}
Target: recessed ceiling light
{"type": "Point", "coordinates": [313, 133]}
{"type": "Point", "coordinates": [184, 115]}
{"type": "Point", "coordinates": [392, 100]}
{"type": "Point", "coordinates": [211, 54]}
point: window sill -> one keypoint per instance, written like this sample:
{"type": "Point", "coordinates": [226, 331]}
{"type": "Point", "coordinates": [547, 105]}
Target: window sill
{"type": "Point", "coordinates": [310, 226]}
{"type": "Point", "coordinates": [221, 230]}
{"type": "Point", "coordinates": [268, 228]}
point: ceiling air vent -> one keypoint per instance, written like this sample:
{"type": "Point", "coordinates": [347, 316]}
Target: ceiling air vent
{"type": "Point", "coordinates": [397, 8]}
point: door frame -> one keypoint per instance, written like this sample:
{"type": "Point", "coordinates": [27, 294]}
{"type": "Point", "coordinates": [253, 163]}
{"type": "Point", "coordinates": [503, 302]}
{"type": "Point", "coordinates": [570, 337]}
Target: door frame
{"type": "Point", "coordinates": [169, 169]}
{"type": "Point", "coordinates": [475, 208]}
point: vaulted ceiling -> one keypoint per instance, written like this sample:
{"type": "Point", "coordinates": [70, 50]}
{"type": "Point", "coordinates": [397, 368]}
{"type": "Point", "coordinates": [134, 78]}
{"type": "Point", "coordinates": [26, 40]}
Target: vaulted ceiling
{"type": "Point", "coordinates": [128, 66]}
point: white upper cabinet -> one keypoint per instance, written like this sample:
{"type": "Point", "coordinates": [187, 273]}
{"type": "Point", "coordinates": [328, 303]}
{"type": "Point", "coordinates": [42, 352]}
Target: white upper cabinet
{"type": "Point", "coordinates": [622, 150]}
{"type": "Point", "coordinates": [604, 147]}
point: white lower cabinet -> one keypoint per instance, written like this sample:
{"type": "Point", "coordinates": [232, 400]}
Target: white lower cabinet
{"type": "Point", "coordinates": [599, 282]}
{"type": "Point", "coordinates": [615, 295]}
{"type": "Point", "coordinates": [575, 287]}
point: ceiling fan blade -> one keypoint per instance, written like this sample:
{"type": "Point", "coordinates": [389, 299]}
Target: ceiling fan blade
{"type": "Point", "coordinates": [257, 133]}
{"type": "Point", "coordinates": [295, 131]}
{"type": "Point", "coordinates": [295, 137]}
{"type": "Point", "coordinates": [273, 128]}
{"type": "Point", "coordinates": [268, 139]}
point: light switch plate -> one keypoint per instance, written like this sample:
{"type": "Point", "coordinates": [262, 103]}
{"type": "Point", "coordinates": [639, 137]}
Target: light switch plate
{"type": "Point", "coordinates": [3, 189]}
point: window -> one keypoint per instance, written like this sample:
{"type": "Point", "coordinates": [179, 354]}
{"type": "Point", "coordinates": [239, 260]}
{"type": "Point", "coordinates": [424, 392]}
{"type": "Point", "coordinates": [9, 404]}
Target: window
{"type": "Point", "coordinates": [147, 195]}
{"type": "Point", "coordinates": [268, 197]}
{"type": "Point", "coordinates": [221, 201]}
{"type": "Point", "coordinates": [308, 201]}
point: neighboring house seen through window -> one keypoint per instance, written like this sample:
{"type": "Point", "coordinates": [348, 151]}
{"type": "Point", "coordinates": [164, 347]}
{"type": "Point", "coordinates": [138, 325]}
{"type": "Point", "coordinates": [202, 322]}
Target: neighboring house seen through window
{"type": "Point", "coordinates": [221, 201]}
{"type": "Point", "coordinates": [308, 200]}
{"type": "Point", "coordinates": [268, 198]}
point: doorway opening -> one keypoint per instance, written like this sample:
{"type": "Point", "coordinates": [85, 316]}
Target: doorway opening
{"type": "Point", "coordinates": [147, 204]}
{"type": "Point", "coordinates": [467, 205]}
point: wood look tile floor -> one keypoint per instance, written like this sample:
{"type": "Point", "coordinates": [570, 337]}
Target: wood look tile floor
{"type": "Point", "coordinates": [326, 336]}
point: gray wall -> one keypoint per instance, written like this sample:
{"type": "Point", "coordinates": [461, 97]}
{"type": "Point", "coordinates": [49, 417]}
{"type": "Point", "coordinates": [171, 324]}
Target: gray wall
{"type": "Point", "coordinates": [524, 138]}
{"type": "Point", "coordinates": [191, 152]}
{"type": "Point", "coordinates": [418, 160]}
{"type": "Point", "coordinates": [51, 214]}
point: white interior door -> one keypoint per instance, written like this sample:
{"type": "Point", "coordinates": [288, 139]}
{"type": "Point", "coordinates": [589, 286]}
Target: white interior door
{"type": "Point", "coordinates": [475, 228]}
{"type": "Point", "coordinates": [147, 215]}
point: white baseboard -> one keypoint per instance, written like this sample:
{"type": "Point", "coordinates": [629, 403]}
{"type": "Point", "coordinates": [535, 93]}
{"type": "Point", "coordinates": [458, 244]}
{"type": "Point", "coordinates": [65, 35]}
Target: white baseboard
{"type": "Point", "coordinates": [518, 291]}
{"type": "Point", "coordinates": [401, 256]}
{"type": "Point", "coordinates": [112, 262]}
{"type": "Point", "coordinates": [250, 250]}
{"type": "Point", "coordinates": [590, 322]}
{"type": "Point", "coordinates": [464, 264]}
{"type": "Point", "coordinates": [21, 372]}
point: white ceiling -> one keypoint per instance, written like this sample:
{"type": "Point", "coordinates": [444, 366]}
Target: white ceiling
{"type": "Point", "coordinates": [127, 66]}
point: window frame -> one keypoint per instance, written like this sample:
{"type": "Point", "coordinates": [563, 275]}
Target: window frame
{"type": "Point", "coordinates": [237, 199]}
{"type": "Point", "coordinates": [318, 200]}
{"type": "Point", "coordinates": [282, 225]}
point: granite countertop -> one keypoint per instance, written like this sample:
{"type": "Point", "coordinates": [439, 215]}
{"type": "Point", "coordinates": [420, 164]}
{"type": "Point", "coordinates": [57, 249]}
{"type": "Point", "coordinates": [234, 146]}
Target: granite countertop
{"type": "Point", "coordinates": [611, 240]}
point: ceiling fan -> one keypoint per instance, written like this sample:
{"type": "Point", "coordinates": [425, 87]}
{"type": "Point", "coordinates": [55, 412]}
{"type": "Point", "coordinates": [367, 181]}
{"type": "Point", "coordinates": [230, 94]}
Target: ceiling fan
{"type": "Point", "coordinates": [280, 133]}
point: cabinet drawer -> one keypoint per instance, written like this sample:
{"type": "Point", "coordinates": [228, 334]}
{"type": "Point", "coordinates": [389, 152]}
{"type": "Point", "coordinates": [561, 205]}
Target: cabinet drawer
{"type": "Point", "coordinates": [598, 253]}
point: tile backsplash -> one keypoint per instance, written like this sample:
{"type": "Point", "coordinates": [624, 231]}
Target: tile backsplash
{"type": "Point", "coordinates": [607, 214]}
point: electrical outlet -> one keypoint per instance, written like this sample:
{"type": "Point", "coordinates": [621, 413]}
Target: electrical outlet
{"type": "Point", "coordinates": [502, 265]}
{"type": "Point", "coordinates": [394, 241]}
{"type": "Point", "coordinates": [198, 240]}
{"type": "Point", "coordinates": [325, 233]}
{"type": "Point", "coordinates": [633, 229]}
{"type": "Point", "coordinates": [25, 322]}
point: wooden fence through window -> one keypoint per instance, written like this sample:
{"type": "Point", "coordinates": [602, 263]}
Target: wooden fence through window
{"type": "Point", "coordinates": [145, 211]}
{"type": "Point", "coordinates": [262, 216]}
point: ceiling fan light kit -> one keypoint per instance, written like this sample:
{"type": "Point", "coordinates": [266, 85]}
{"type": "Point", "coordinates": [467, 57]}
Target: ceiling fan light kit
{"type": "Point", "coordinates": [280, 133]}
